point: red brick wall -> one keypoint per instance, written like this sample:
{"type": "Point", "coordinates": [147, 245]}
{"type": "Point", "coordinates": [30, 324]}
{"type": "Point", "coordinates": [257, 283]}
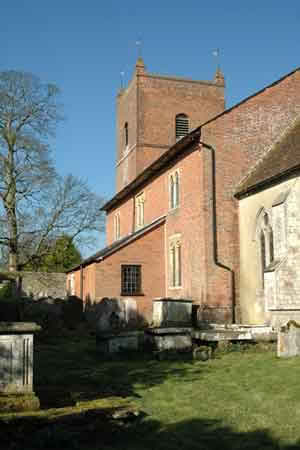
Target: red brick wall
{"type": "Point", "coordinates": [187, 220]}
{"type": "Point", "coordinates": [150, 105]}
{"type": "Point", "coordinates": [240, 137]}
{"type": "Point", "coordinates": [88, 283]}
{"type": "Point", "coordinates": [126, 211]}
{"type": "Point", "coordinates": [147, 251]}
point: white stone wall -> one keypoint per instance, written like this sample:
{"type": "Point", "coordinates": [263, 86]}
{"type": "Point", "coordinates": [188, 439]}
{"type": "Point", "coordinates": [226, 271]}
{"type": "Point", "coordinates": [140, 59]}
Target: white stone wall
{"type": "Point", "coordinates": [277, 299]}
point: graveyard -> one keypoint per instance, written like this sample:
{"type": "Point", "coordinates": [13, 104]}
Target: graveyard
{"type": "Point", "coordinates": [242, 397]}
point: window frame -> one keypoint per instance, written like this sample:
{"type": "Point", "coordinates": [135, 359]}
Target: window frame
{"type": "Point", "coordinates": [136, 277]}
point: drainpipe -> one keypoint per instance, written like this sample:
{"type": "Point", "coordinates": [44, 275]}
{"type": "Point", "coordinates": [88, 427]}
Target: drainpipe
{"type": "Point", "coordinates": [214, 225]}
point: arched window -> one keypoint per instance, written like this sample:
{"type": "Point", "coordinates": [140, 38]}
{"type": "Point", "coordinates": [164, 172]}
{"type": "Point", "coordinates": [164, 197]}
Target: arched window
{"type": "Point", "coordinates": [139, 210]}
{"type": "Point", "coordinates": [181, 126]}
{"type": "Point", "coordinates": [264, 236]}
{"type": "Point", "coordinates": [174, 189]}
{"type": "Point", "coordinates": [117, 226]}
{"type": "Point", "coordinates": [175, 264]}
{"type": "Point", "coordinates": [126, 134]}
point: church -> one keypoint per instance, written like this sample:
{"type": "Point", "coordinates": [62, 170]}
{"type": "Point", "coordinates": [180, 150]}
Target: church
{"type": "Point", "coordinates": [207, 203]}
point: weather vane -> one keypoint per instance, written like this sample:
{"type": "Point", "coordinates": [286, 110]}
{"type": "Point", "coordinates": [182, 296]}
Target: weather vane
{"type": "Point", "coordinates": [139, 47]}
{"type": "Point", "coordinates": [122, 74]}
{"type": "Point", "coordinates": [216, 54]}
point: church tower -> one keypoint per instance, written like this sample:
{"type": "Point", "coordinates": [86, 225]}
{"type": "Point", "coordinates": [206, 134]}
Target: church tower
{"type": "Point", "coordinates": [156, 110]}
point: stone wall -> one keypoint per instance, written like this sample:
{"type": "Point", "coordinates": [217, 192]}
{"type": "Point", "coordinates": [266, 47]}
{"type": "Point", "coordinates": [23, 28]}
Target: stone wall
{"type": "Point", "coordinates": [44, 284]}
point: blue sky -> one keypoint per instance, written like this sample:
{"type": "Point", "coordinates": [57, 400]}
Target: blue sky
{"type": "Point", "coordinates": [82, 46]}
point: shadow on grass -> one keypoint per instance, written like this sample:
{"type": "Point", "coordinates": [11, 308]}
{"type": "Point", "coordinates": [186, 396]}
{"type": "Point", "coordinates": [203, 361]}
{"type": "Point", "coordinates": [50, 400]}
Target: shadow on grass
{"type": "Point", "coordinates": [73, 371]}
{"type": "Point", "coordinates": [97, 429]}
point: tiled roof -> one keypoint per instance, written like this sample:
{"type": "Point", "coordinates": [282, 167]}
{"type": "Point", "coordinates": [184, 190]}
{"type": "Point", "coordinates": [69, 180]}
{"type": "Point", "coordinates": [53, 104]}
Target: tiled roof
{"type": "Point", "coordinates": [106, 251]}
{"type": "Point", "coordinates": [282, 159]}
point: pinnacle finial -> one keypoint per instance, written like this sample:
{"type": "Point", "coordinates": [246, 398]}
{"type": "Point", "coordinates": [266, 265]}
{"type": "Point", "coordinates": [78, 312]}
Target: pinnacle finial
{"type": "Point", "coordinates": [140, 62]}
{"type": "Point", "coordinates": [140, 65]}
{"type": "Point", "coordinates": [219, 77]}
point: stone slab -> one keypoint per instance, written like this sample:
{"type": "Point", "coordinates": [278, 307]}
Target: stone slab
{"type": "Point", "coordinates": [18, 327]}
{"type": "Point", "coordinates": [222, 335]}
{"type": "Point", "coordinates": [169, 330]}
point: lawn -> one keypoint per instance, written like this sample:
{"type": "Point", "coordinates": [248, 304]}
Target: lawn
{"type": "Point", "coordinates": [238, 400]}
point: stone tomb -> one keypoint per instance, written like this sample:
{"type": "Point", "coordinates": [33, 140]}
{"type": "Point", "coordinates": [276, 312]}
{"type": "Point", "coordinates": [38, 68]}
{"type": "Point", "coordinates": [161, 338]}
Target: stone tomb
{"type": "Point", "coordinates": [165, 339]}
{"type": "Point", "coordinates": [16, 366]}
{"type": "Point", "coordinates": [115, 314]}
{"type": "Point", "coordinates": [169, 312]}
{"type": "Point", "coordinates": [288, 342]}
{"type": "Point", "coordinates": [119, 341]}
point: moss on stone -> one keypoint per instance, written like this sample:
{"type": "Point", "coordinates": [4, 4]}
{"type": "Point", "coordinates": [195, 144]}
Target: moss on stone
{"type": "Point", "coordinates": [18, 403]}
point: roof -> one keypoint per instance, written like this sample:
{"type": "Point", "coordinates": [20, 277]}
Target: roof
{"type": "Point", "coordinates": [282, 159]}
{"type": "Point", "coordinates": [154, 168]}
{"type": "Point", "coordinates": [117, 245]}
{"type": "Point", "coordinates": [176, 149]}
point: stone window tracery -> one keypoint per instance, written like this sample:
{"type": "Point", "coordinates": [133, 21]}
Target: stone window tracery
{"type": "Point", "coordinates": [175, 278]}
{"type": "Point", "coordinates": [265, 241]}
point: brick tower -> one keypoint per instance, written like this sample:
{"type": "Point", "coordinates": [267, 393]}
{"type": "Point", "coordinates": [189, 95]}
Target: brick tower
{"type": "Point", "coordinates": [156, 110]}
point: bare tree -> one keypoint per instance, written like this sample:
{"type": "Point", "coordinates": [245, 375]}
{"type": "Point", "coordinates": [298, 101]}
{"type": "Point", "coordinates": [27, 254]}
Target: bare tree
{"type": "Point", "coordinates": [37, 205]}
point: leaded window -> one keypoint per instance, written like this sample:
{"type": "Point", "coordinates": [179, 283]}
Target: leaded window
{"type": "Point", "coordinates": [131, 279]}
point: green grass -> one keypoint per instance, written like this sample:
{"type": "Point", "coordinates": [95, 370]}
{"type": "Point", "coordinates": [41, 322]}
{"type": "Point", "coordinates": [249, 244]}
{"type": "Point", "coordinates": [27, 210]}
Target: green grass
{"type": "Point", "coordinates": [240, 400]}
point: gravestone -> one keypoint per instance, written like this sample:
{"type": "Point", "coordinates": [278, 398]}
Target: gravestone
{"type": "Point", "coordinates": [16, 366]}
{"type": "Point", "coordinates": [115, 314]}
{"type": "Point", "coordinates": [288, 342]}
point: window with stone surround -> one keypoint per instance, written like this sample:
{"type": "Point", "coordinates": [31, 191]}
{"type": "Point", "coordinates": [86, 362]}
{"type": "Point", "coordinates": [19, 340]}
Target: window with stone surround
{"type": "Point", "coordinates": [181, 126]}
{"type": "Point", "coordinates": [117, 226]}
{"type": "Point", "coordinates": [264, 238]}
{"type": "Point", "coordinates": [174, 190]}
{"type": "Point", "coordinates": [131, 279]}
{"type": "Point", "coordinates": [139, 210]}
{"type": "Point", "coordinates": [175, 262]}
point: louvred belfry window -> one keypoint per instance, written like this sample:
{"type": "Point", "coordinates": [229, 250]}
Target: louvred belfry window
{"type": "Point", "coordinates": [182, 126]}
